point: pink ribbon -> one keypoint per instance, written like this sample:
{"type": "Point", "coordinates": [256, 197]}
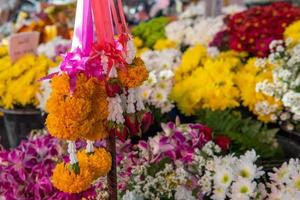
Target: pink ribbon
{"type": "Point", "coordinates": [77, 60]}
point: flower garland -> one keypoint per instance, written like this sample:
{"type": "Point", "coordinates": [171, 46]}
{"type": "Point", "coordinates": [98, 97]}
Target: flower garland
{"type": "Point", "coordinates": [80, 115]}
{"type": "Point", "coordinates": [95, 94]}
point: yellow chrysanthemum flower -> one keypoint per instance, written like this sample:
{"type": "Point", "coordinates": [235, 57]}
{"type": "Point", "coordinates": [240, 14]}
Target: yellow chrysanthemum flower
{"type": "Point", "coordinates": [138, 42]}
{"type": "Point", "coordinates": [98, 162]}
{"type": "Point", "coordinates": [207, 84]}
{"type": "Point", "coordinates": [80, 115]}
{"type": "Point", "coordinates": [191, 59]}
{"type": "Point", "coordinates": [68, 181]}
{"type": "Point", "coordinates": [293, 32]}
{"type": "Point", "coordinates": [19, 81]}
{"type": "Point", "coordinates": [162, 44]}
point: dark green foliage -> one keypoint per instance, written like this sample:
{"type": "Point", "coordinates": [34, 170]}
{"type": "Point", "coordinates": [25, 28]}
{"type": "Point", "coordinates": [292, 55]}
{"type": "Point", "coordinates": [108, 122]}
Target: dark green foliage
{"type": "Point", "coordinates": [245, 133]}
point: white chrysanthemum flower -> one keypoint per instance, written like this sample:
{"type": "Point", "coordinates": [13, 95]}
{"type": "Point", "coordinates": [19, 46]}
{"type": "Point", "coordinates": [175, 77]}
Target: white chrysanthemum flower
{"type": "Point", "coordinates": [296, 117]}
{"type": "Point", "coordinates": [219, 193]}
{"type": "Point", "coordinates": [223, 177]}
{"type": "Point", "coordinates": [281, 175]}
{"type": "Point", "coordinates": [243, 189]}
{"type": "Point", "coordinates": [285, 116]}
{"type": "Point", "coordinates": [159, 96]}
{"type": "Point", "coordinates": [166, 74]}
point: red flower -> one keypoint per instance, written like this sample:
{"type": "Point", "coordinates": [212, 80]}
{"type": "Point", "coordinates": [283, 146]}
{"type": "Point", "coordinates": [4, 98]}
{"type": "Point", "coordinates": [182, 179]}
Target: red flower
{"type": "Point", "coordinates": [207, 133]}
{"type": "Point", "coordinates": [132, 123]}
{"type": "Point", "coordinates": [254, 29]}
{"type": "Point", "coordinates": [223, 142]}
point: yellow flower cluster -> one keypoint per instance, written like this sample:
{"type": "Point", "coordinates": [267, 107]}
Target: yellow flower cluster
{"type": "Point", "coordinates": [19, 81]}
{"type": "Point", "coordinates": [293, 32]}
{"type": "Point", "coordinates": [3, 51]}
{"type": "Point", "coordinates": [191, 59]}
{"type": "Point", "coordinates": [138, 43]}
{"type": "Point", "coordinates": [162, 44]}
{"type": "Point", "coordinates": [80, 115]}
{"type": "Point", "coordinates": [134, 74]}
{"type": "Point", "coordinates": [68, 181]}
{"type": "Point", "coordinates": [206, 82]}
{"type": "Point", "coordinates": [98, 162]}
{"type": "Point", "coordinates": [246, 79]}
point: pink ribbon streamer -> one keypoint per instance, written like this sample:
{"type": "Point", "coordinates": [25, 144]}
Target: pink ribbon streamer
{"type": "Point", "coordinates": [77, 60]}
{"type": "Point", "coordinates": [83, 31]}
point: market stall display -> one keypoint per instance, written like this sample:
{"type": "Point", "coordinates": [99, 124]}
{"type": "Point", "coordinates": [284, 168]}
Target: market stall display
{"type": "Point", "coordinates": [175, 106]}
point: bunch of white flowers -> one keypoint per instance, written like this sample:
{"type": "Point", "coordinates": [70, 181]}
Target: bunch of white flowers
{"type": "Point", "coordinates": [286, 81]}
{"type": "Point", "coordinates": [160, 185]}
{"type": "Point", "coordinates": [228, 176]}
{"type": "Point", "coordinates": [49, 49]}
{"type": "Point", "coordinates": [161, 65]}
{"type": "Point", "coordinates": [285, 181]}
{"type": "Point", "coordinates": [192, 27]}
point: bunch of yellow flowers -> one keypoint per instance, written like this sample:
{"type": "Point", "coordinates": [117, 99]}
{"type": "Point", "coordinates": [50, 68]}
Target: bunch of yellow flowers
{"type": "Point", "coordinates": [292, 32]}
{"type": "Point", "coordinates": [206, 82]}
{"type": "Point", "coordinates": [19, 81]}
{"type": "Point", "coordinates": [265, 107]}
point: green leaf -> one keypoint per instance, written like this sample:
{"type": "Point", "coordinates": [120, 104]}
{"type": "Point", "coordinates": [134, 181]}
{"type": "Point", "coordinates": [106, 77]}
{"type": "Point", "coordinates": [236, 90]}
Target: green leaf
{"type": "Point", "coordinates": [245, 133]}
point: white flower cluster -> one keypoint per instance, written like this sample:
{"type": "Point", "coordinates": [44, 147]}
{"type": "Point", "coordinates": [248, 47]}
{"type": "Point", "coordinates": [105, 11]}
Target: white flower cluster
{"type": "Point", "coordinates": [45, 89]}
{"type": "Point", "coordinates": [229, 176]}
{"type": "Point", "coordinates": [157, 186]}
{"type": "Point", "coordinates": [215, 177]}
{"type": "Point", "coordinates": [264, 108]}
{"type": "Point", "coordinates": [49, 49]}
{"type": "Point", "coordinates": [285, 181]}
{"type": "Point", "coordinates": [161, 65]}
{"type": "Point", "coordinates": [191, 31]}
{"type": "Point", "coordinates": [192, 27]}
{"type": "Point", "coordinates": [286, 81]}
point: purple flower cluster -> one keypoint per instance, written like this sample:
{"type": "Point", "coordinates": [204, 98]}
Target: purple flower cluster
{"type": "Point", "coordinates": [25, 171]}
{"type": "Point", "coordinates": [177, 142]}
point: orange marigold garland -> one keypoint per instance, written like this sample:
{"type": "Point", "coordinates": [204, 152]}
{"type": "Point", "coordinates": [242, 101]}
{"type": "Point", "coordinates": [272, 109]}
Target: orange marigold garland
{"type": "Point", "coordinates": [97, 161]}
{"type": "Point", "coordinates": [67, 180]}
{"type": "Point", "coordinates": [134, 74]}
{"type": "Point", "coordinates": [80, 115]}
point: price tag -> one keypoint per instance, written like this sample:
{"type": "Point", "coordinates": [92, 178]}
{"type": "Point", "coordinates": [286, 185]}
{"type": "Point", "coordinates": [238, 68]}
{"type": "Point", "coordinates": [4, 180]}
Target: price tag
{"type": "Point", "coordinates": [213, 8]}
{"type": "Point", "coordinates": [23, 43]}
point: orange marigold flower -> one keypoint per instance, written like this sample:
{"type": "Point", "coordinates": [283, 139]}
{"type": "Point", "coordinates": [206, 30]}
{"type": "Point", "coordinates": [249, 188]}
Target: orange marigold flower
{"type": "Point", "coordinates": [134, 74]}
{"type": "Point", "coordinates": [68, 181]}
{"type": "Point", "coordinates": [98, 162]}
{"type": "Point", "coordinates": [80, 115]}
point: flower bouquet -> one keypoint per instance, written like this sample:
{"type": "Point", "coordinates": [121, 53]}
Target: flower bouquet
{"type": "Point", "coordinates": [19, 88]}
{"type": "Point", "coordinates": [254, 29]}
